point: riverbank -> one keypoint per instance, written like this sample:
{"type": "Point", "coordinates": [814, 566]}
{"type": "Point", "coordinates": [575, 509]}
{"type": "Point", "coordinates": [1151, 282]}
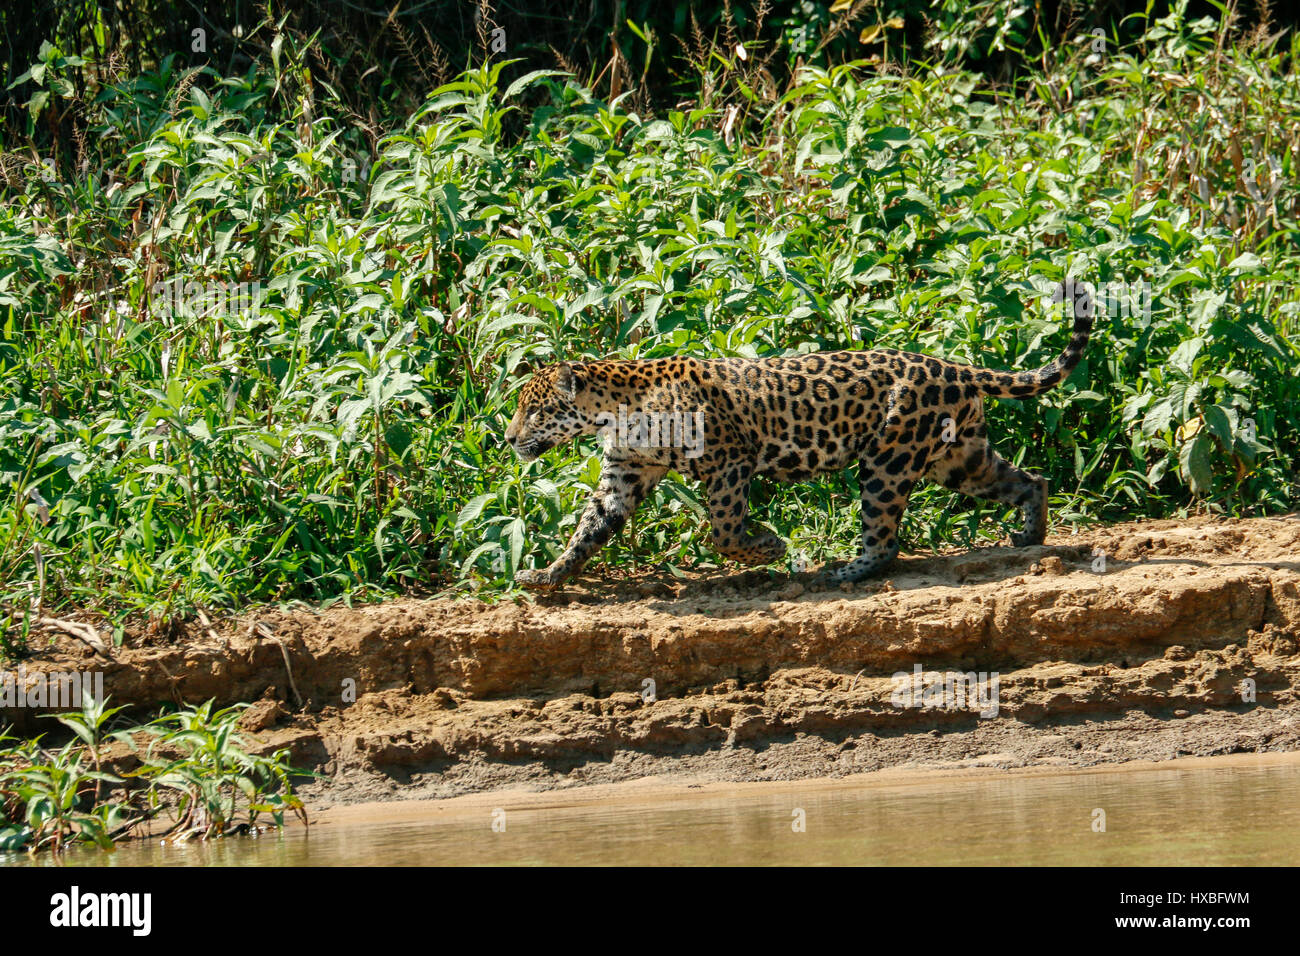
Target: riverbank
{"type": "Point", "coordinates": [1142, 641]}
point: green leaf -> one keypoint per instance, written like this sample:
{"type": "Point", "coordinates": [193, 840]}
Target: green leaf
{"type": "Point", "coordinates": [527, 80]}
{"type": "Point", "coordinates": [1246, 262]}
{"type": "Point", "coordinates": [473, 509]}
{"type": "Point", "coordinates": [1194, 463]}
{"type": "Point", "coordinates": [1220, 424]}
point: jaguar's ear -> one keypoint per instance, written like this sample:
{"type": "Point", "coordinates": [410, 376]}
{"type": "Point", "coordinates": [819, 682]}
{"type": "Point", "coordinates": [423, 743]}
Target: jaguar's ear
{"type": "Point", "coordinates": [566, 383]}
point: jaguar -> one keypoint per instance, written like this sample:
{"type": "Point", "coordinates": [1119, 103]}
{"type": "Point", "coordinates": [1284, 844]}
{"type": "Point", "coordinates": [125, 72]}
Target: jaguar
{"type": "Point", "coordinates": [899, 416]}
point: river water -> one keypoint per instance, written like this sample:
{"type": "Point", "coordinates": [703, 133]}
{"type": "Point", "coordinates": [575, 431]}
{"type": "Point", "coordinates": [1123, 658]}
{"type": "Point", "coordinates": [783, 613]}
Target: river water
{"type": "Point", "coordinates": [1238, 810]}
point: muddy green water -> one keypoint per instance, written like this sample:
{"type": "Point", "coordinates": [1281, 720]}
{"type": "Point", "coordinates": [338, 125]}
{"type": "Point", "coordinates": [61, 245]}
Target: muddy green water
{"type": "Point", "coordinates": [1220, 811]}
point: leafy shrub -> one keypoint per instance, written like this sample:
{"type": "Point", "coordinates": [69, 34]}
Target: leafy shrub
{"type": "Point", "coordinates": [342, 439]}
{"type": "Point", "coordinates": [194, 767]}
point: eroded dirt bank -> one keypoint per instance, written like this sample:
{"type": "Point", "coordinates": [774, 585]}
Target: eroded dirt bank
{"type": "Point", "coordinates": [758, 677]}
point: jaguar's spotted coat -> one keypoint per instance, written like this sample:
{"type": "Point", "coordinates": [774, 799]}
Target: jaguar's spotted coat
{"type": "Point", "coordinates": [899, 415]}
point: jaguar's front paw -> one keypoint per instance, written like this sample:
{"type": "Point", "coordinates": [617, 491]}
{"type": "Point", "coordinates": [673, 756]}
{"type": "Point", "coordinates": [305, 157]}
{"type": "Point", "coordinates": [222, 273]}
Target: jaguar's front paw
{"type": "Point", "coordinates": [829, 576]}
{"type": "Point", "coordinates": [543, 580]}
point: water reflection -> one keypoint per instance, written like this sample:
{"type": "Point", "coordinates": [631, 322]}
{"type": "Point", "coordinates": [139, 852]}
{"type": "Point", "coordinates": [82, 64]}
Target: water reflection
{"type": "Point", "coordinates": [1210, 814]}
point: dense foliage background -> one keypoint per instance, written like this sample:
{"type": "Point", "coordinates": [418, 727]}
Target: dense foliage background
{"type": "Point", "coordinates": [760, 179]}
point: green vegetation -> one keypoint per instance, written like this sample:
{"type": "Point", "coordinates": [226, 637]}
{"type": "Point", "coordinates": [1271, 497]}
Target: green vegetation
{"type": "Point", "coordinates": [194, 768]}
{"type": "Point", "coordinates": [343, 439]}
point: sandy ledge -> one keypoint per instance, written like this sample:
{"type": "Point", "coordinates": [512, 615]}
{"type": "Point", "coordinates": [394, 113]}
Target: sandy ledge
{"type": "Point", "coordinates": [759, 677]}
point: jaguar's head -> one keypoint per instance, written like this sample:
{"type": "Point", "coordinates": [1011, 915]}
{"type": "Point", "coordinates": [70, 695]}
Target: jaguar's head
{"type": "Point", "coordinates": [548, 412]}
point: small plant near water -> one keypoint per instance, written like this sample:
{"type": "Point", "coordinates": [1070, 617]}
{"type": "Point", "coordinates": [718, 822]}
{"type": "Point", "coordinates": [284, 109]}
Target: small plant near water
{"type": "Point", "coordinates": [193, 766]}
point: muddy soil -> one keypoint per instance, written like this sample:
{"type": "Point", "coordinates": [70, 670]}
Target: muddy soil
{"type": "Point", "coordinates": [1141, 641]}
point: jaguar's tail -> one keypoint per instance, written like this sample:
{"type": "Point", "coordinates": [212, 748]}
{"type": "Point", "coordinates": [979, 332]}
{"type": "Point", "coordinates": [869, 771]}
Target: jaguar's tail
{"type": "Point", "coordinates": [1026, 384]}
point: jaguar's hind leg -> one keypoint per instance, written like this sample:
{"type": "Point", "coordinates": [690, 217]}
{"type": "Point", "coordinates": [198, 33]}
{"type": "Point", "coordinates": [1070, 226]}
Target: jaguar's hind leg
{"type": "Point", "coordinates": [733, 534]}
{"type": "Point", "coordinates": [974, 468]}
{"type": "Point", "coordinates": [884, 499]}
